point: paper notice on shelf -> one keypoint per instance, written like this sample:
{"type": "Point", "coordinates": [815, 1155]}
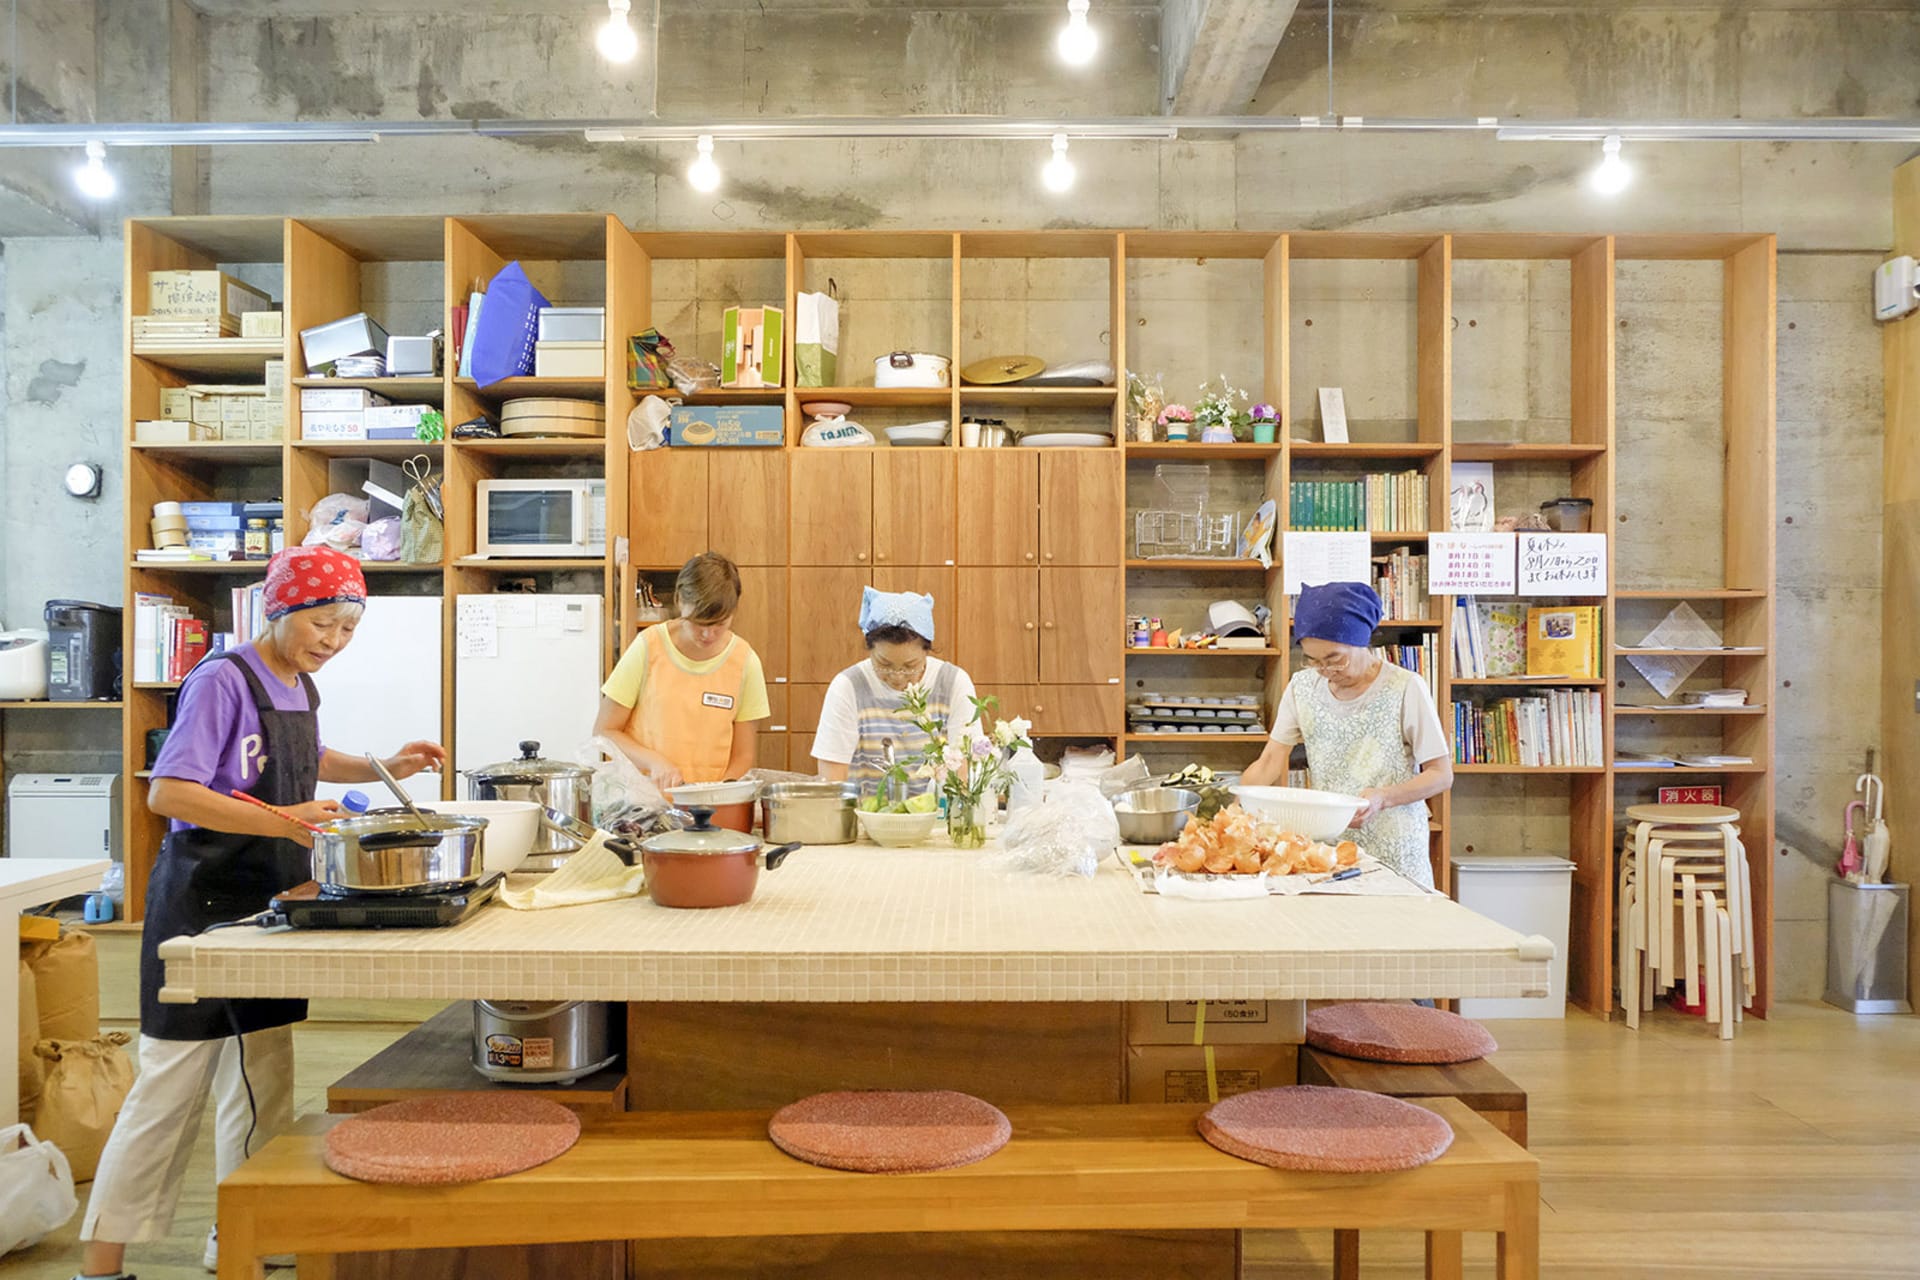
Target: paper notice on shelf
{"type": "Point", "coordinates": [513, 611]}
{"type": "Point", "coordinates": [1471, 564]}
{"type": "Point", "coordinates": [1563, 564]}
{"type": "Point", "coordinates": [552, 614]}
{"type": "Point", "coordinates": [476, 630]}
{"type": "Point", "coordinates": [1314, 559]}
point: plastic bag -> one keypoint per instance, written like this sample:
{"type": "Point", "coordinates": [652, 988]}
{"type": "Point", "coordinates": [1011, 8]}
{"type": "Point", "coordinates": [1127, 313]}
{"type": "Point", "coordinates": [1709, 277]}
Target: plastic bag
{"type": "Point", "coordinates": [625, 800]}
{"type": "Point", "coordinates": [505, 329]}
{"type": "Point", "coordinates": [381, 540]}
{"type": "Point", "coordinates": [336, 520]}
{"type": "Point", "coordinates": [1125, 776]}
{"type": "Point", "coordinates": [87, 1081]}
{"type": "Point", "coordinates": [36, 1188]}
{"type": "Point", "coordinates": [1067, 834]}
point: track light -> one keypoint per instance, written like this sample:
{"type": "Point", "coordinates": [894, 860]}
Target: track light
{"type": "Point", "coordinates": [93, 178]}
{"type": "Point", "coordinates": [1078, 42]}
{"type": "Point", "coordinates": [703, 174]}
{"type": "Point", "coordinates": [616, 39]}
{"type": "Point", "coordinates": [1613, 174]}
{"type": "Point", "coordinates": [1058, 172]}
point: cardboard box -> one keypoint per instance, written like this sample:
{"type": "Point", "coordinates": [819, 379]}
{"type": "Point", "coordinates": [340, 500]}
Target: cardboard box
{"type": "Point", "coordinates": [267, 432]}
{"type": "Point", "coordinates": [698, 425]}
{"type": "Point", "coordinates": [263, 324]}
{"type": "Point", "coordinates": [203, 294]}
{"type": "Point", "coordinates": [569, 359]}
{"type": "Point", "coordinates": [236, 410]}
{"type": "Point", "coordinates": [172, 431]}
{"type": "Point", "coordinates": [1178, 1073]}
{"type": "Point", "coordinates": [177, 403]}
{"type": "Point", "coordinates": [338, 399]}
{"type": "Point", "coordinates": [394, 421]}
{"type": "Point", "coordinates": [572, 324]}
{"type": "Point", "coordinates": [333, 426]}
{"type": "Point", "coordinates": [752, 346]}
{"type": "Point", "coordinates": [1228, 1022]}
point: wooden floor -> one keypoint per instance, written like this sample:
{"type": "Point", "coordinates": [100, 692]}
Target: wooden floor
{"type": "Point", "coordinates": [1793, 1151]}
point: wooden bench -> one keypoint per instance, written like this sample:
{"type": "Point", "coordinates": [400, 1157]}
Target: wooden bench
{"type": "Point", "coordinates": [663, 1175]}
{"type": "Point", "coordinates": [1478, 1085]}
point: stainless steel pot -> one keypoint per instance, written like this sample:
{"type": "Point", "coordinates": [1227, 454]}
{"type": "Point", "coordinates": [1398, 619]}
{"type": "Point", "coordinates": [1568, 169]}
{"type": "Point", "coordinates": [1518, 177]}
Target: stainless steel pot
{"type": "Point", "coordinates": [551, 784]}
{"type": "Point", "coordinates": [810, 813]}
{"type": "Point", "coordinates": [387, 851]}
{"type": "Point", "coordinates": [541, 1042]}
{"type": "Point", "coordinates": [1154, 815]}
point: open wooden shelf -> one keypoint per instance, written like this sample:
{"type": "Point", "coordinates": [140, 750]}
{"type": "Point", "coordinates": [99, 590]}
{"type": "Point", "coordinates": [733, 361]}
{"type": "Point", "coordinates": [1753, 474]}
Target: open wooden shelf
{"type": "Point", "coordinates": [47, 704]}
{"type": "Point", "coordinates": [1700, 593]}
{"type": "Point", "coordinates": [388, 449]}
{"type": "Point", "coordinates": [1204, 452]}
{"type": "Point", "coordinates": [255, 567]}
{"type": "Point", "coordinates": [1496, 451]}
{"type": "Point", "coordinates": [1525, 682]}
{"type": "Point", "coordinates": [1210, 566]}
{"type": "Point", "coordinates": [156, 686]}
{"type": "Point", "coordinates": [1689, 769]}
{"type": "Point", "coordinates": [1757, 651]}
{"type": "Point", "coordinates": [524, 447]}
{"type": "Point", "coordinates": [396, 389]}
{"type": "Point", "coordinates": [1410, 623]}
{"type": "Point", "coordinates": [1529, 768]}
{"type": "Point", "coordinates": [1412, 451]}
{"type": "Point", "coordinates": [734, 395]}
{"type": "Point", "coordinates": [231, 453]}
{"type": "Point", "coordinates": [1704, 713]}
{"type": "Point", "coordinates": [532, 565]}
{"type": "Point", "coordinates": [881, 397]}
{"type": "Point", "coordinates": [516, 388]}
{"type": "Point", "coordinates": [233, 358]}
{"type": "Point", "coordinates": [1195, 737]}
{"type": "Point", "coordinates": [1133, 651]}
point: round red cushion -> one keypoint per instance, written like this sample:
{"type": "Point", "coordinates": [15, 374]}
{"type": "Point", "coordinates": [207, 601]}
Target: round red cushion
{"type": "Point", "coordinates": [1407, 1033]}
{"type": "Point", "coordinates": [455, 1137]}
{"type": "Point", "coordinates": [890, 1131]}
{"type": "Point", "coordinates": [1324, 1130]}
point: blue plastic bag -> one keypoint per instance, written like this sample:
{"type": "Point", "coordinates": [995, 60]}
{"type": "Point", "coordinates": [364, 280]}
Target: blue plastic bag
{"type": "Point", "coordinates": [509, 323]}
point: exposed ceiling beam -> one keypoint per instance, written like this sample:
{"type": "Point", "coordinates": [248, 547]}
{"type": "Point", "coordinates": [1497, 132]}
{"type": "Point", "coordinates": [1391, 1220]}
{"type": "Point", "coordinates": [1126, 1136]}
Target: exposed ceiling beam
{"type": "Point", "coordinates": [1213, 53]}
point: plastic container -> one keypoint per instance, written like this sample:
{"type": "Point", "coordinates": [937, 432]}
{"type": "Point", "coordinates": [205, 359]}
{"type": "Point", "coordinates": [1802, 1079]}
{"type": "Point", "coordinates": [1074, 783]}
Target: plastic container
{"type": "Point", "coordinates": [1029, 776]}
{"type": "Point", "coordinates": [1568, 515]}
{"type": "Point", "coordinates": [1530, 894]}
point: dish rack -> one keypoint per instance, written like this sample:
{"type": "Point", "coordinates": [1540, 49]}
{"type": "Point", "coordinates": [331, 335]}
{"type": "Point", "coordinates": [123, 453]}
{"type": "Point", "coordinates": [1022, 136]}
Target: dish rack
{"type": "Point", "coordinates": [1185, 529]}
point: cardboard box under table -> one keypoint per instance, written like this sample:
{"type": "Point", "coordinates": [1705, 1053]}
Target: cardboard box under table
{"type": "Point", "coordinates": [755, 425]}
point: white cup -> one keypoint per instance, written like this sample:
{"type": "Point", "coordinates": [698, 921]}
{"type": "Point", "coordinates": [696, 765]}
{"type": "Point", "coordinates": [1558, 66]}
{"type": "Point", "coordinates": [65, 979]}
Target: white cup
{"type": "Point", "coordinates": [969, 435]}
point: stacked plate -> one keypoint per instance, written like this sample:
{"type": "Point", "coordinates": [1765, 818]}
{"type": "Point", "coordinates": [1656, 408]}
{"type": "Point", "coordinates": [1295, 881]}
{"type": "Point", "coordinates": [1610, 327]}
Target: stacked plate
{"type": "Point", "coordinates": [919, 435]}
{"type": "Point", "coordinates": [1157, 713]}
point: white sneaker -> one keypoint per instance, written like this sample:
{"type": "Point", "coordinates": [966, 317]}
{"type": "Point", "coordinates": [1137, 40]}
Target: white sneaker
{"type": "Point", "coordinates": [211, 1258]}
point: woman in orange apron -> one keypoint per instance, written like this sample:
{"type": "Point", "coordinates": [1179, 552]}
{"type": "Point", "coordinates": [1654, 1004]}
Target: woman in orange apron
{"type": "Point", "coordinates": [686, 699]}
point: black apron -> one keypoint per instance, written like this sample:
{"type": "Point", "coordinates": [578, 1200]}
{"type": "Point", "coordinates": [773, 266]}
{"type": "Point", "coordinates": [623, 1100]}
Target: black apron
{"type": "Point", "coordinates": [204, 877]}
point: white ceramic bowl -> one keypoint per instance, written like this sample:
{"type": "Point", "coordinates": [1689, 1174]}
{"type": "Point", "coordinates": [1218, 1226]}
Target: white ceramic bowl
{"type": "Point", "coordinates": [898, 830]}
{"type": "Point", "coordinates": [924, 434]}
{"type": "Point", "coordinates": [511, 827]}
{"type": "Point", "coordinates": [1319, 815]}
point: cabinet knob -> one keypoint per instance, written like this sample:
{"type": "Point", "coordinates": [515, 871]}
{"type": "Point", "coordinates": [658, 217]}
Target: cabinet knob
{"type": "Point", "coordinates": [861, 557]}
{"type": "Point", "coordinates": [1049, 626]}
{"type": "Point", "coordinates": [1029, 626]}
{"type": "Point", "coordinates": [879, 555]}
{"type": "Point", "coordinates": [1037, 709]}
{"type": "Point", "coordinates": [1049, 555]}
{"type": "Point", "coordinates": [1029, 555]}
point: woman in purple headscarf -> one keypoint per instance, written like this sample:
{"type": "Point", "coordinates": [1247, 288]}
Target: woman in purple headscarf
{"type": "Point", "coordinates": [1370, 728]}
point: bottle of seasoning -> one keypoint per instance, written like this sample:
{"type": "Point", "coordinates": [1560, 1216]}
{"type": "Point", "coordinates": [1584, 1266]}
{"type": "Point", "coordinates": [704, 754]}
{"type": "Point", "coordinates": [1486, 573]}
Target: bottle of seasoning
{"type": "Point", "coordinates": [277, 541]}
{"type": "Point", "coordinates": [259, 537]}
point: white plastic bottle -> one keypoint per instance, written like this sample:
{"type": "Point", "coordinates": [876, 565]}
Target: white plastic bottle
{"type": "Point", "coordinates": [1029, 775]}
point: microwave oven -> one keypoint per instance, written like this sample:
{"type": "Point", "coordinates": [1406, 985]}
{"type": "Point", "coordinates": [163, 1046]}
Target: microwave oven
{"type": "Point", "coordinates": [526, 518]}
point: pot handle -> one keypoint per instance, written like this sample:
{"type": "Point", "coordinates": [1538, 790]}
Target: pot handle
{"type": "Point", "coordinates": [778, 855]}
{"type": "Point", "coordinates": [900, 359]}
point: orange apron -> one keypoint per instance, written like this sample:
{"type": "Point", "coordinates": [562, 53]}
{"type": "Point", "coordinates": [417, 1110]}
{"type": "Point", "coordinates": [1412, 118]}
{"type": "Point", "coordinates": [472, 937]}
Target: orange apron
{"type": "Point", "coordinates": [689, 718]}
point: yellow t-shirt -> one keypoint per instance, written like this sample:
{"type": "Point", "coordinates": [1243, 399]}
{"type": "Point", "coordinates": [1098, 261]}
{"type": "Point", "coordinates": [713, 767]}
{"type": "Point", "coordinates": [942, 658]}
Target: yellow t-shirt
{"type": "Point", "coordinates": [685, 709]}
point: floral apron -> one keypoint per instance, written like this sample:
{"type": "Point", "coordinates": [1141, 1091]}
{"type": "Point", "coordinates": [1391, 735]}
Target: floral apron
{"type": "Point", "coordinates": [1355, 745]}
{"type": "Point", "coordinates": [877, 709]}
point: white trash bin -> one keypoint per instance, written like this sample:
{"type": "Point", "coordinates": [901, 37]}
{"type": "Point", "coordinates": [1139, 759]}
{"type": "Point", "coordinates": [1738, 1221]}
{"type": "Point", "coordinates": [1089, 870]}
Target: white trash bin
{"type": "Point", "coordinates": [1529, 893]}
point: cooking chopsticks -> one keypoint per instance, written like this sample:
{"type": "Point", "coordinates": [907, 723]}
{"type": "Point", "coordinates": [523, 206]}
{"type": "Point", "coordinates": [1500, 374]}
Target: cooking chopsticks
{"type": "Point", "coordinates": [282, 814]}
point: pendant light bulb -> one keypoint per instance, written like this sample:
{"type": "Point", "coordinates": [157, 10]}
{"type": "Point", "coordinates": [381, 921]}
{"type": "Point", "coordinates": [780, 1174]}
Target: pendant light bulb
{"type": "Point", "coordinates": [93, 178]}
{"type": "Point", "coordinates": [1058, 172]}
{"type": "Point", "coordinates": [1612, 175]}
{"type": "Point", "coordinates": [1078, 41]}
{"type": "Point", "coordinates": [703, 174]}
{"type": "Point", "coordinates": [616, 39]}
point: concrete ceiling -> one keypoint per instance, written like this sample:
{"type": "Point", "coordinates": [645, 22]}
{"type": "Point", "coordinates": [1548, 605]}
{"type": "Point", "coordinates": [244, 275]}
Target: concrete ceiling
{"type": "Point", "coordinates": [322, 8]}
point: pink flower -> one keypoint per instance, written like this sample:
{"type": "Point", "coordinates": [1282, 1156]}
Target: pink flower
{"type": "Point", "coordinates": [1175, 413]}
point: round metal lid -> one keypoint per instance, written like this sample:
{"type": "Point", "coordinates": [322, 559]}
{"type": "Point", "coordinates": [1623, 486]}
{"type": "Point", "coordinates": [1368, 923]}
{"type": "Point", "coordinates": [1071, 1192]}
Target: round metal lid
{"type": "Point", "coordinates": [530, 765]}
{"type": "Point", "coordinates": [701, 838]}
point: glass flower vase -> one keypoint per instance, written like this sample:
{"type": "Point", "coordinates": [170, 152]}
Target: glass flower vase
{"type": "Point", "coordinates": [965, 825]}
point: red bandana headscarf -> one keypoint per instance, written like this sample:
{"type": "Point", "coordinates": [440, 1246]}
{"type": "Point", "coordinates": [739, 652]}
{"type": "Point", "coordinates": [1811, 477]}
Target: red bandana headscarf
{"type": "Point", "coordinates": [304, 577]}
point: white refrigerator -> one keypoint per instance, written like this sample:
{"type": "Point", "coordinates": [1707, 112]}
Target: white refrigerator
{"type": "Point", "coordinates": [526, 668]}
{"type": "Point", "coordinates": [383, 690]}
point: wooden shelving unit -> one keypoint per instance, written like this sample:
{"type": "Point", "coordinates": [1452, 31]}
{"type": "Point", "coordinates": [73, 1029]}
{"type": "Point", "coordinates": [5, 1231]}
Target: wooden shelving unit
{"type": "Point", "coordinates": [808, 527]}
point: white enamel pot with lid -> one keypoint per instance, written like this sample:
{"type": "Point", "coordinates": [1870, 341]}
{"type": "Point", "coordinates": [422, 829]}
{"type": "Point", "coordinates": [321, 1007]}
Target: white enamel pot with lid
{"type": "Point", "coordinates": [912, 369]}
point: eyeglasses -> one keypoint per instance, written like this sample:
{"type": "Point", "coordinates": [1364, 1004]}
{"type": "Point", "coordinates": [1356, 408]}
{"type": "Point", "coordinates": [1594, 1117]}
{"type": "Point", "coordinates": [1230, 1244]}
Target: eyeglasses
{"type": "Point", "coordinates": [1324, 664]}
{"type": "Point", "coordinates": [911, 669]}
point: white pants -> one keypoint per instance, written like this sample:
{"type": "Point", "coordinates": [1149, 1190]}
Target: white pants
{"type": "Point", "coordinates": [144, 1165]}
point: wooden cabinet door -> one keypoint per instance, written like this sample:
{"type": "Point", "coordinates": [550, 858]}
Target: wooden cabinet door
{"type": "Point", "coordinates": [803, 720]}
{"type": "Point", "coordinates": [913, 507]}
{"type": "Point", "coordinates": [667, 507]}
{"type": "Point", "coordinates": [823, 620]}
{"type": "Point", "coordinates": [747, 505]}
{"type": "Point", "coordinates": [935, 582]}
{"type": "Point", "coordinates": [762, 618]}
{"type": "Point", "coordinates": [996, 637]}
{"type": "Point", "coordinates": [1078, 710]}
{"type": "Point", "coordinates": [1081, 613]}
{"type": "Point", "coordinates": [1083, 507]}
{"type": "Point", "coordinates": [832, 507]}
{"type": "Point", "coordinates": [999, 507]}
{"type": "Point", "coordinates": [772, 743]}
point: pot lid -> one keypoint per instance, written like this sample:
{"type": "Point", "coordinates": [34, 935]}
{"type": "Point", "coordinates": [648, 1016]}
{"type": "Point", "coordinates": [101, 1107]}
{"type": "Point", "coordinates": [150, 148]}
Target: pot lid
{"type": "Point", "coordinates": [701, 838]}
{"type": "Point", "coordinates": [999, 370]}
{"type": "Point", "coordinates": [531, 764]}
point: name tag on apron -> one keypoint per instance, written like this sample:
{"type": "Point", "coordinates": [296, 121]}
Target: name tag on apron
{"type": "Point", "coordinates": [720, 700]}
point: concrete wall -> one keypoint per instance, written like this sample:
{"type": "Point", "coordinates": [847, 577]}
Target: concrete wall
{"type": "Point", "coordinates": [1829, 204]}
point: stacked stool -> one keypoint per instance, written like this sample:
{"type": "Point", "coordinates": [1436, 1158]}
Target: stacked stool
{"type": "Point", "coordinates": [1409, 1052]}
{"type": "Point", "coordinates": [1686, 911]}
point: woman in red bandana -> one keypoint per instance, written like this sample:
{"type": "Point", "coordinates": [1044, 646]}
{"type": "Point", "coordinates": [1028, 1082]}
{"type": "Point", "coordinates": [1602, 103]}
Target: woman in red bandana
{"type": "Point", "coordinates": [246, 722]}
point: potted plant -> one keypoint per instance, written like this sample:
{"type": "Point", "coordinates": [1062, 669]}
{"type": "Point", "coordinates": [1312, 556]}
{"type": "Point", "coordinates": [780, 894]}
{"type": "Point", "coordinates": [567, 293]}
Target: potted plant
{"type": "Point", "coordinates": [1218, 411]}
{"type": "Point", "coordinates": [1176, 420]}
{"type": "Point", "coordinates": [969, 769]}
{"type": "Point", "coordinates": [1266, 423]}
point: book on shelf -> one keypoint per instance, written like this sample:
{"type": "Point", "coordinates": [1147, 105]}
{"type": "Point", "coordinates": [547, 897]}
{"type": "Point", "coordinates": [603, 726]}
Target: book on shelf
{"type": "Point", "coordinates": [1400, 579]}
{"type": "Point", "coordinates": [1385, 503]}
{"type": "Point", "coordinates": [1420, 658]}
{"type": "Point", "coordinates": [168, 641]}
{"type": "Point", "coordinates": [1563, 642]}
{"type": "Point", "coordinates": [1642, 760]}
{"type": "Point", "coordinates": [249, 613]}
{"type": "Point", "coordinates": [1555, 728]}
{"type": "Point", "coordinates": [1714, 760]}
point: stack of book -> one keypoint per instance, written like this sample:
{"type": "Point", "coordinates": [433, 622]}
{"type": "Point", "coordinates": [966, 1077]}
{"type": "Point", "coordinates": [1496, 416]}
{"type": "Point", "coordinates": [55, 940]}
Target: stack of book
{"type": "Point", "coordinates": [167, 640]}
{"type": "Point", "coordinates": [1495, 640]}
{"type": "Point", "coordinates": [1422, 659]}
{"type": "Point", "coordinates": [249, 615]}
{"type": "Point", "coordinates": [1401, 580]}
{"type": "Point", "coordinates": [1395, 503]}
{"type": "Point", "coordinates": [1555, 728]}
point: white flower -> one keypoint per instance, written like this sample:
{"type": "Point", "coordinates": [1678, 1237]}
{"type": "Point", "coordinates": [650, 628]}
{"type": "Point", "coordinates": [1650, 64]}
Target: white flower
{"type": "Point", "coordinates": [954, 757]}
{"type": "Point", "coordinates": [1019, 728]}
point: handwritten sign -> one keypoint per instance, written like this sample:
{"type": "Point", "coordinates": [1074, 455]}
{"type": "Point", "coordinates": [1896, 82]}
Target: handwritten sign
{"type": "Point", "coordinates": [1314, 559]}
{"type": "Point", "coordinates": [1469, 564]}
{"type": "Point", "coordinates": [1563, 564]}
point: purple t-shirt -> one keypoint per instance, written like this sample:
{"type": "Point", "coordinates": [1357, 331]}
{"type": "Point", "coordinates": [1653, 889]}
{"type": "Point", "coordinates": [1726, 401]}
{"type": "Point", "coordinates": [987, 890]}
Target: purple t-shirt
{"type": "Point", "coordinates": [216, 739]}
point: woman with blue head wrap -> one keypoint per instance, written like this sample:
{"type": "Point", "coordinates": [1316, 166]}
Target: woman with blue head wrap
{"type": "Point", "coordinates": [1370, 728]}
{"type": "Point", "coordinates": [863, 714]}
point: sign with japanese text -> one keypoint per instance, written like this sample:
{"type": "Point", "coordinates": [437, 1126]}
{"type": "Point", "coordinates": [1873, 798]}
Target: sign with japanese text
{"type": "Point", "coordinates": [1469, 564]}
{"type": "Point", "coordinates": [1563, 564]}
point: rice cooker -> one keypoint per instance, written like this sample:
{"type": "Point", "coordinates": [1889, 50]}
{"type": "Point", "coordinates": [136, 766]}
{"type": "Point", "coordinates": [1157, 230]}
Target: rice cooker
{"type": "Point", "coordinates": [23, 666]}
{"type": "Point", "coordinates": [542, 1041]}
